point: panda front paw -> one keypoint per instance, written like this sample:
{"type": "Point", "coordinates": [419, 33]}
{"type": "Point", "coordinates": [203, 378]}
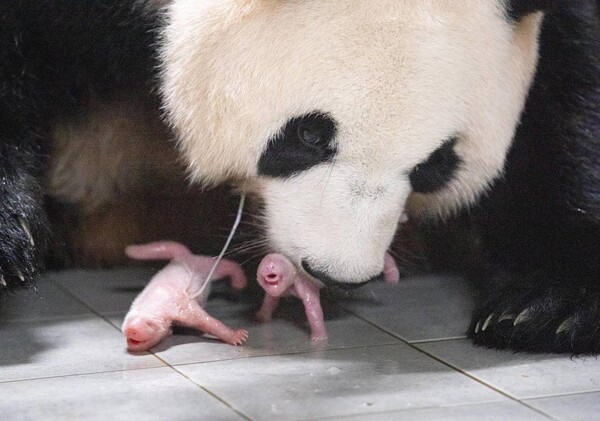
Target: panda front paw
{"type": "Point", "coordinates": [561, 318]}
{"type": "Point", "coordinates": [23, 243]}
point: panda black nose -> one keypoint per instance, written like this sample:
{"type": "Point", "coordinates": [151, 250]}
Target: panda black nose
{"type": "Point", "coordinates": [330, 282]}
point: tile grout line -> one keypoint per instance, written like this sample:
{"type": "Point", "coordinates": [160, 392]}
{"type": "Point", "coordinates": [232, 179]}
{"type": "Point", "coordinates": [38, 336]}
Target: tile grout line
{"type": "Point", "coordinates": [428, 341]}
{"type": "Point", "coordinates": [482, 382]}
{"type": "Point", "coordinates": [89, 373]}
{"type": "Point", "coordinates": [46, 319]}
{"type": "Point", "coordinates": [205, 389]}
{"type": "Point", "coordinates": [405, 411]}
{"type": "Point", "coordinates": [103, 317]}
{"type": "Point", "coordinates": [83, 302]}
{"type": "Point", "coordinates": [208, 391]}
{"type": "Point", "coordinates": [286, 354]}
{"type": "Point", "coordinates": [93, 373]}
{"type": "Point", "coordinates": [453, 367]}
{"type": "Point", "coordinates": [560, 395]}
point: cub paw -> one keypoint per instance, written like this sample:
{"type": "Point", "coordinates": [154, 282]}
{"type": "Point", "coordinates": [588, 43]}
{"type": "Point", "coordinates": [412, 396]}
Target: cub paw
{"type": "Point", "coordinates": [238, 337]}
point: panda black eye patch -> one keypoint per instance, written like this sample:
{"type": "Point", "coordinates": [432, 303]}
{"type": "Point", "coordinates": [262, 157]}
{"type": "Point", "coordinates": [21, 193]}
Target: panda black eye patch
{"type": "Point", "coordinates": [303, 143]}
{"type": "Point", "coordinates": [437, 170]}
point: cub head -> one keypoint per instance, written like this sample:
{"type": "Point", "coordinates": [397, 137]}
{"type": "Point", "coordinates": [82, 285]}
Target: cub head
{"type": "Point", "coordinates": [343, 115]}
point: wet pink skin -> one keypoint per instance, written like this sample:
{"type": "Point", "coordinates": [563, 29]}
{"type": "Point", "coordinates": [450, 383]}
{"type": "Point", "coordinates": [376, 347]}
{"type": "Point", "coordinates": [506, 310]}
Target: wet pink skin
{"type": "Point", "coordinates": [169, 297]}
{"type": "Point", "coordinates": [391, 273]}
{"type": "Point", "coordinates": [278, 276]}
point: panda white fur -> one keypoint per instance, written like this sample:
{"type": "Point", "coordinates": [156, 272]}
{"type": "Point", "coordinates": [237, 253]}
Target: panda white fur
{"type": "Point", "coordinates": [344, 115]}
{"type": "Point", "coordinates": [388, 83]}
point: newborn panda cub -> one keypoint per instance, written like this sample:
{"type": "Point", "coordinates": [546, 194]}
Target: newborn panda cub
{"type": "Point", "coordinates": [278, 277]}
{"type": "Point", "coordinates": [176, 296]}
{"type": "Point", "coordinates": [178, 293]}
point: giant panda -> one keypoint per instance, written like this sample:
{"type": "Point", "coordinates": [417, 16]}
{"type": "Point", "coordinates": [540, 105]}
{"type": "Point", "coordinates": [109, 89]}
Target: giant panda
{"type": "Point", "coordinates": [343, 118]}
{"type": "Point", "coordinates": [346, 117]}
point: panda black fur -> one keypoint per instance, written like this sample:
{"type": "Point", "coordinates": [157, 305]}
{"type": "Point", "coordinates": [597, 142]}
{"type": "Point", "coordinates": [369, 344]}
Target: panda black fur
{"type": "Point", "coordinates": [541, 222]}
{"type": "Point", "coordinates": [54, 54]}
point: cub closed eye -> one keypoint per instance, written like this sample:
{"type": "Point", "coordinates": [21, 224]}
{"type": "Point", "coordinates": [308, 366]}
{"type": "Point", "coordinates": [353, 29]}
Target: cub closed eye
{"type": "Point", "coordinates": [303, 143]}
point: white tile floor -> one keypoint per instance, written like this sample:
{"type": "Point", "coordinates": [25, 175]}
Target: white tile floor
{"type": "Point", "coordinates": [395, 353]}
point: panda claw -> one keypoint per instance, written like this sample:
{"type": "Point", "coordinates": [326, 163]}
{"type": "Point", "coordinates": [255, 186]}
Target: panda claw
{"type": "Point", "coordinates": [27, 231]}
{"type": "Point", "coordinates": [487, 322]}
{"type": "Point", "coordinates": [524, 316]}
{"type": "Point", "coordinates": [506, 316]}
{"type": "Point", "coordinates": [565, 326]}
{"type": "Point", "coordinates": [3, 281]}
{"type": "Point", "coordinates": [21, 276]}
{"type": "Point", "coordinates": [478, 327]}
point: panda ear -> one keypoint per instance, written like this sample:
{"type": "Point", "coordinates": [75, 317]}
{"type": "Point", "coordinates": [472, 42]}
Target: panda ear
{"type": "Point", "coordinates": [520, 8]}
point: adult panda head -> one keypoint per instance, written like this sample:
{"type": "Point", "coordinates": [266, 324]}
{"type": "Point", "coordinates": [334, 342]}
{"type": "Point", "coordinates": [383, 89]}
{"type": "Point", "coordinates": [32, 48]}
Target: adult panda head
{"type": "Point", "coordinates": [343, 114]}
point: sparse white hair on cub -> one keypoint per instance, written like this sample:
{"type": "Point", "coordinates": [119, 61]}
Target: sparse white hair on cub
{"type": "Point", "coordinates": [398, 77]}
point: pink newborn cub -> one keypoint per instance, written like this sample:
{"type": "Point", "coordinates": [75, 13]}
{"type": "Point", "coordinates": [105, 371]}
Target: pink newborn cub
{"type": "Point", "coordinates": [170, 297]}
{"type": "Point", "coordinates": [279, 277]}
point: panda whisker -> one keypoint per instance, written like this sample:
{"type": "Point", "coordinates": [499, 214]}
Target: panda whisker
{"type": "Point", "coordinates": [253, 257]}
{"type": "Point", "coordinates": [247, 249]}
{"type": "Point", "coordinates": [249, 246]}
{"type": "Point", "coordinates": [254, 224]}
{"type": "Point", "coordinates": [249, 243]}
{"type": "Point", "coordinates": [328, 175]}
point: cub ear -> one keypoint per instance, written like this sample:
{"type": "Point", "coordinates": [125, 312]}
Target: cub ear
{"type": "Point", "coordinates": [520, 8]}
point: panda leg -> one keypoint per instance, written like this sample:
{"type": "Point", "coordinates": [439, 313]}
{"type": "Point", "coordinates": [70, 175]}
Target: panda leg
{"type": "Point", "coordinates": [539, 312]}
{"type": "Point", "coordinates": [24, 228]}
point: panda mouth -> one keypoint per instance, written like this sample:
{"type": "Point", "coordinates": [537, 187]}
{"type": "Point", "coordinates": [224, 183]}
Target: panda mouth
{"type": "Point", "coordinates": [329, 282]}
{"type": "Point", "coordinates": [271, 281]}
